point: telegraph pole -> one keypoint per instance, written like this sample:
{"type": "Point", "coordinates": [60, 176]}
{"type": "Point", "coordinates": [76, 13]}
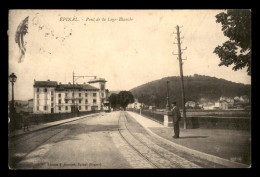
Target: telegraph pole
{"type": "Point", "coordinates": [181, 74]}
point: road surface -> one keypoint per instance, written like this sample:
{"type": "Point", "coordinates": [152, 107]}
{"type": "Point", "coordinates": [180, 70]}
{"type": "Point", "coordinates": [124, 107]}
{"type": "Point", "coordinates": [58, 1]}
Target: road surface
{"type": "Point", "coordinates": [103, 141]}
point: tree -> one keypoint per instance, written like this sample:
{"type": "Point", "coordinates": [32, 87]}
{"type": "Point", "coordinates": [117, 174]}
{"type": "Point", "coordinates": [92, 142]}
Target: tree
{"type": "Point", "coordinates": [236, 25]}
{"type": "Point", "coordinates": [124, 98]}
{"type": "Point", "coordinates": [113, 99]}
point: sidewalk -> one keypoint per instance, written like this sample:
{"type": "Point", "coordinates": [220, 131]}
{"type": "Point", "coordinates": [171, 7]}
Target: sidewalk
{"type": "Point", "coordinates": [218, 145]}
{"type": "Point", "coordinates": [33, 128]}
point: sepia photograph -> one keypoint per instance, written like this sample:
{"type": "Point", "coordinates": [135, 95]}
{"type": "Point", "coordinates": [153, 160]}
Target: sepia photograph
{"type": "Point", "coordinates": [129, 89]}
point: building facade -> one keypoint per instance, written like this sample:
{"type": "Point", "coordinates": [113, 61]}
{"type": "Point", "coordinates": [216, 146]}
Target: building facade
{"type": "Point", "coordinates": [51, 97]}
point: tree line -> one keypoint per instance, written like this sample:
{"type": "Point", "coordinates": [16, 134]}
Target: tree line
{"type": "Point", "coordinates": [121, 100]}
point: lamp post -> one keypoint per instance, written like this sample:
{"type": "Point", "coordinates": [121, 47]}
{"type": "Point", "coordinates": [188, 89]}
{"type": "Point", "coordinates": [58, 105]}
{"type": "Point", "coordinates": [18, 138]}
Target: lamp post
{"type": "Point", "coordinates": [12, 78]}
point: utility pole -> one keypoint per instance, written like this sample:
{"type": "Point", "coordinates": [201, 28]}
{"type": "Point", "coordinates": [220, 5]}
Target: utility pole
{"type": "Point", "coordinates": [181, 74]}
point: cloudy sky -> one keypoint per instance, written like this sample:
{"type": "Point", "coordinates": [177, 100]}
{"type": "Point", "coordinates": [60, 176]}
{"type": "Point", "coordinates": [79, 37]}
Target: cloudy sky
{"type": "Point", "coordinates": [125, 53]}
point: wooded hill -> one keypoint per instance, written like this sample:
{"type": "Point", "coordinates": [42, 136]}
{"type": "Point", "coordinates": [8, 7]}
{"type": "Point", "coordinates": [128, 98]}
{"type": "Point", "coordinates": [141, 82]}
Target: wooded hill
{"type": "Point", "coordinates": [197, 88]}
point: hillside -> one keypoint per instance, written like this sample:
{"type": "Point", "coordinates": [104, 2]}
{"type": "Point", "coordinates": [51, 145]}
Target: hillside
{"type": "Point", "coordinates": [197, 87]}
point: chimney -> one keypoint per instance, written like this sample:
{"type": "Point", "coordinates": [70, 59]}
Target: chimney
{"type": "Point", "coordinates": [60, 83]}
{"type": "Point", "coordinates": [69, 83]}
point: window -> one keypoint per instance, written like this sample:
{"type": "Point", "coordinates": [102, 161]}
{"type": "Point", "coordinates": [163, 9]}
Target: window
{"type": "Point", "coordinates": [51, 104]}
{"type": "Point", "coordinates": [86, 101]}
{"type": "Point", "coordinates": [72, 101]}
{"type": "Point", "coordinates": [79, 107]}
{"type": "Point", "coordinates": [86, 94]}
{"type": "Point", "coordinates": [59, 108]}
{"type": "Point", "coordinates": [94, 94]}
{"type": "Point", "coordinates": [38, 96]}
{"type": "Point", "coordinates": [79, 101]}
{"type": "Point", "coordinates": [102, 87]}
{"type": "Point", "coordinates": [66, 94]}
{"type": "Point", "coordinates": [59, 101]}
{"type": "Point", "coordinates": [86, 107]}
{"type": "Point", "coordinates": [59, 95]}
{"type": "Point", "coordinates": [37, 108]}
{"type": "Point", "coordinates": [102, 94]}
{"type": "Point", "coordinates": [38, 102]}
{"type": "Point", "coordinates": [79, 94]}
{"type": "Point", "coordinates": [45, 108]}
{"type": "Point", "coordinates": [38, 89]}
{"type": "Point", "coordinates": [51, 98]}
{"type": "Point", "coordinates": [45, 90]}
{"type": "Point", "coordinates": [66, 107]}
{"type": "Point", "coordinates": [51, 92]}
{"type": "Point", "coordinates": [66, 101]}
{"type": "Point", "coordinates": [94, 101]}
{"type": "Point", "coordinates": [72, 94]}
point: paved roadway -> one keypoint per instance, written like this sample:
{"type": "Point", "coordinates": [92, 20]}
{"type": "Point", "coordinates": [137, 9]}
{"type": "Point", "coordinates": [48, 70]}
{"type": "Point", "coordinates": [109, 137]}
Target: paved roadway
{"type": "Point", "coordinates": [104, 141]}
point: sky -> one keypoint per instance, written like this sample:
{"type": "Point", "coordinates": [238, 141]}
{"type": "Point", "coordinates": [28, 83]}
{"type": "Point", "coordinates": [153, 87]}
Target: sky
{"type": "Point", "coordinates": [127, 53]}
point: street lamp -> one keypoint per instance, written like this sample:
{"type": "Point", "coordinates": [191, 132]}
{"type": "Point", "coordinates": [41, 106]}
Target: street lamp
{"type": "Point", "coordinates": [12, 79]}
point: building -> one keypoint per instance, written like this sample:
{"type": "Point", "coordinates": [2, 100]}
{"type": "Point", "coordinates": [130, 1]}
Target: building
{"type": "Point", "coordinates": [190, 104]}
{"type": "Point", "coordinates": [135, 105]}
{"type": "Point", "coordinates": [244, 99]}
{"type": "Point", "coordinates": [51, 97]}
{"type": "Point", "coordinates": [223, 105]}
{"type": "Point", "coordinates": [209, 107]}
{"type": "Point", "coordinates": [217, 104]}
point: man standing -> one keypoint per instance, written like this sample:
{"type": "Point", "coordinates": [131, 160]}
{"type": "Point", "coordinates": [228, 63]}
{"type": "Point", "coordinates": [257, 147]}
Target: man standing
{"type": "Point", "coordinates": [176, 118]}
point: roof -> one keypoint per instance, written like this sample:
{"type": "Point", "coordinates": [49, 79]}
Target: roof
{"type": "Point", "coordinates": [61, 87]}
{"type": "Point", "coordinates": [45, 84]}
{"type": "Point", "coordinates": [97, 80]}
{"type": "Point", "coordinates": [64, 86]}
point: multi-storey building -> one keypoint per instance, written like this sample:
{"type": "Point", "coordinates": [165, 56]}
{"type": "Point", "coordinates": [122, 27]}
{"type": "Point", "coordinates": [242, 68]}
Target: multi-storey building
{"type": "Point", "coordinates": [51, 97]}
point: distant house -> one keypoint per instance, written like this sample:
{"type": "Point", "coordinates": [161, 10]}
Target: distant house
{"type": "Point", "coordinates": [227, 102]}
{"type": "Point", "coordinates": [236, 98]}
{"type": "Point", "coordinates": [190, 104]}
{"type": "Point", "coordinates": [135, 105]}
{"type": "Point", "coordinates": [244, 99]}
{"type": "Point", "coordinates": [222, 98]}
{"type": "Point", "coordinates": [209, 106]}
{"type": "Point", "coordinates": [198, 105]}
{"type": "Point", "coordinates": [223, 105]}
{"type": "Point", "coordinates": [130, 106]}
{"type": "Point", "coordinates": [217, 104]}
{"type": "Point", "coordinates": [152, 107]}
